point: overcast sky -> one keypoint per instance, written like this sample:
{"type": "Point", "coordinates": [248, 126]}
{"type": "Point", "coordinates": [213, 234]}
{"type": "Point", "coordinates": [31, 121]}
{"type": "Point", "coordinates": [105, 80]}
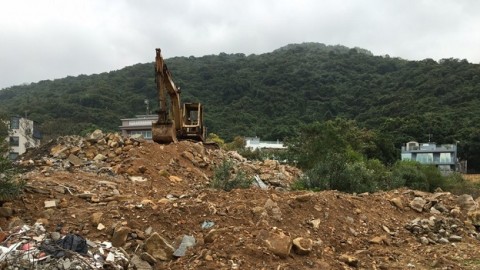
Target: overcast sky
{"type": "Point", "coordinates": [41, 39]}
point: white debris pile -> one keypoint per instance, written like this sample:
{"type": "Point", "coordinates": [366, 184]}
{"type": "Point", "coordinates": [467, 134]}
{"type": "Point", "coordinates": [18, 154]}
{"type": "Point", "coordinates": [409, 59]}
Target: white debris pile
{"type": "Point", "coordinates": [31, 247]}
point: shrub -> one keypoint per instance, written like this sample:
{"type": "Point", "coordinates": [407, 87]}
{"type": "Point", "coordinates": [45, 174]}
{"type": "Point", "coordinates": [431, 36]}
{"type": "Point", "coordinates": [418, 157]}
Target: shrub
{"type": "Point", "coordinates": [340, 173]}
{"type": "Point", "coordinates": [10, 186]}
{"type": "Point", "coordinates": [225, 178]}
{"type": "Point", "coordinates": [408, 174]}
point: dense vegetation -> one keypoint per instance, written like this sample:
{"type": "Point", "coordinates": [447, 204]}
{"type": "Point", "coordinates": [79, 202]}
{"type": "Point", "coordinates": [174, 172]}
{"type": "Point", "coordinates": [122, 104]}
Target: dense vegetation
{"type": "Point", "coordinates": [337, 154]}
{"type": "Point", "coordinates": [10, 185]}
{"type": "Point", "coordinates": [271, 95]}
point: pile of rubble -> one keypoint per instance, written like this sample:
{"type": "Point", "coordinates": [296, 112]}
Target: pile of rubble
{"type": "Point", "coordinates": [113, 154]}
{"type": "Point", "coordinates": [142, 205]}
{"type": "Point", "coordinates": [26, 247]}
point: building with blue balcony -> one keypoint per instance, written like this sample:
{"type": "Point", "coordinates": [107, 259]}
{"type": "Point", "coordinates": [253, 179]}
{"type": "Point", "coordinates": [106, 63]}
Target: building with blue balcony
{"type": "Point", "coordinates": [443, 156]}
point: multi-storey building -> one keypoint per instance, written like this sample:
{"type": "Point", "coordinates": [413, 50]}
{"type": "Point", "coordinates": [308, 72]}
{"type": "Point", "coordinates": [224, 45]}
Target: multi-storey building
{"type": "Point", "coordinates": [141, 124]}
{"type": "Point", "coordinates": [22, 134]}
{"type": "Point", "coordinates": [443, 156]}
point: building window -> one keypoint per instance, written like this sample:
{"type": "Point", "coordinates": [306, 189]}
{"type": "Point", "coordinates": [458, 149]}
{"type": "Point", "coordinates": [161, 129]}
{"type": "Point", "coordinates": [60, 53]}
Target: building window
{"type": "Point", "coordinates": [12, 155]}
{"type": "Point", "coordinates": [14, 123]}
{"type": "Point", "coordinates": [406, 156]}
{"type": "Point", "coordinates": [14, 141]}
{"type": "Point", "coordinates": [147, 134]}
{"type": "Point", "coordinates": [445, 157]}
{"type": "Point", "coordinates": [425, 158]}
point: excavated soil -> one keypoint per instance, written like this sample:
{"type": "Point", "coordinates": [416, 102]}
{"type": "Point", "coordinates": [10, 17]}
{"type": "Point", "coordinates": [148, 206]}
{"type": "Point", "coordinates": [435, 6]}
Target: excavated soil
{"type": "Point", "coordinates": [149, 188]}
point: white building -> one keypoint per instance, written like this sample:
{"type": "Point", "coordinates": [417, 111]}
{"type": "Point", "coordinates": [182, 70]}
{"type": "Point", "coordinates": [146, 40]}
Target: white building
{"type": "Point", "coordinates": [141, 124]}
{"type": "Point", "coordinates": [256, 143]}
{"type": "Point", "coordinates": [22, 134]}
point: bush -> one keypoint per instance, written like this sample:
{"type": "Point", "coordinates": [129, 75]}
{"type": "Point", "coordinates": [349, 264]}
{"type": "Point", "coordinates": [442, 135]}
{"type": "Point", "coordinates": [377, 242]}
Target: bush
{"type": "Point", "coordinates": [428, 178]}
{"type": "Point", "coordinates": [408, 174]}
{"type": "Point", "coordinates": [10, 186]}
{"type": "Point", "coordinates": [340, 173]}
{"type": "Point", "coordinates": [225, 179]}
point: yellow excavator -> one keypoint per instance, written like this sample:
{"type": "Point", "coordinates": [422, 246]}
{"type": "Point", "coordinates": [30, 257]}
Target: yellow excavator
{"type": "Point", "coordinates": [175, 122]}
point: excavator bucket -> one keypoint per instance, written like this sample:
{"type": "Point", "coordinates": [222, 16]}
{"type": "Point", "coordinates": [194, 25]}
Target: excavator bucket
{"type": "Point", "coordinates": [164, 133]}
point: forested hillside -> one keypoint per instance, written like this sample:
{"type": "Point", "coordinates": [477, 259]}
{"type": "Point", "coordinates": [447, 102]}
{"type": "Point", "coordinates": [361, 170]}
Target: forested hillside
{"type": "Point", "coordinates": [270, 95]}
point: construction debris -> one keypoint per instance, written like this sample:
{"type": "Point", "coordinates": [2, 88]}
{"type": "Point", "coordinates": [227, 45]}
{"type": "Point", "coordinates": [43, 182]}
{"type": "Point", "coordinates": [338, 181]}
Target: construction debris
{"type": "Point", "coordinates": [141, 205]}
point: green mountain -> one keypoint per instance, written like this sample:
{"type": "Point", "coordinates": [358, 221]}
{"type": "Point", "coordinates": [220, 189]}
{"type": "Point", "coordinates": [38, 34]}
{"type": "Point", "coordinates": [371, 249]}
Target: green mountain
{"type": "Point", "coordinates": [269, 95]}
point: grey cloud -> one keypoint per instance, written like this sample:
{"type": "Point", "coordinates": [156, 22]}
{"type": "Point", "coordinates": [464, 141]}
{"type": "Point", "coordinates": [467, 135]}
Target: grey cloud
{"type": "Point", "coordinates": [46, 41]}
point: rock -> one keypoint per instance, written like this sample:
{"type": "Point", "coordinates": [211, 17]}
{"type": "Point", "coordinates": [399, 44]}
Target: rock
{"type": "Point", "coordinates": [100, 226]}
{"type": "Point", "coordinates": [315, 223]}
{"type": "Point", "coordinates": [433, 210]}
{"type": "Point", "coordinates": [424, 240]}
{"type": "Point", "coordinates": [137, 178]}
{"type": "Point", "coordinates": [174, 178]}
{"type": "Point", "coordinates": [443, 240]}
{"type": "Point", "coordinates": [59, 151]}
{"type": "Point", "coordinates": [187, 241]}
{"type": "Point", "coordinates": [95, 136]}
{"type": "Point", "coordinates": [55, 236]}
{"type": "Point", "coordinates": [379, 240]}
{"type": "Point", "coordinates": [99, 157]}
{"type": "Point", "coordinates": [304, 197]}
{"type": "Point", "coordinates": [273, 210]}
{"type": "Point", "coordinates": [140, 264]}
{"type": "Point", "coordinates": [119, 237]}
{"type": "Point", "coordinates": [302, 246]}
{"type": "Point", "coordinates": [6, 212]}
{"type": "Point", "coordinates": [158, 247]}
{"type": "Point", "coordinates": [474, 217]}
{"type": "Point", "coordinates": [466, 202]}
{"type": "Point", "coordinates": [417, 204]}
{"type": "Point", "coordinates": [76, 161]}
{"type": "Point", "coordinates": [348, 259]}
{"type": "Point", "coordinates": [237, 156]}
{"type": "Point", "coordinates": [212, 235]}
{"type": "Point", "coordinates": [455, 238]}
{"type": "Point", "coordinates": [147, 257]}
{"type": "Point", "coordinates": [96, 218]}
{"type": "Point", "coordinates": [455, 212]}
{"type": "Point", "coordinates": [50, 204]}
{"type": "Point", "coordinates": [397, 202]}
{"type": "Point", "coordinates": [279, 244]}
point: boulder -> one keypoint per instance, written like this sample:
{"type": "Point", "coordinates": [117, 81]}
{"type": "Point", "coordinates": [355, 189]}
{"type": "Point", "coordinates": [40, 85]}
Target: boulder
{"type": "Point", "coordinates": [302, 246]}
{"type": "Point", "coordinates": [158, 247]}
{"type": "Point", "coordinates": [279, 244]}
{"type": "Point", "coordinates": [349, 260]}
{"type": "Point", "coordinates": [466, 202]}
{"type": "Point", "coordinates": [96, 218]}
{"type": "Point", "coordinates": [417, 204]}
{"type": "Point", "coordinates": [119, 237]}
{"type": "Point", "coordinates": [95, 136]}
{"type": "Point", "coordinates": [397, 202]}
{"type": "Point", "coordinates": [140, 264]}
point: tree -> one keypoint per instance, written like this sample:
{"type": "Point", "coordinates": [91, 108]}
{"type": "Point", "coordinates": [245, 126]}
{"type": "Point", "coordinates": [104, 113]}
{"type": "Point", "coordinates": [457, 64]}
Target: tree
{"type": "Point", "coordinates": [10, 185]}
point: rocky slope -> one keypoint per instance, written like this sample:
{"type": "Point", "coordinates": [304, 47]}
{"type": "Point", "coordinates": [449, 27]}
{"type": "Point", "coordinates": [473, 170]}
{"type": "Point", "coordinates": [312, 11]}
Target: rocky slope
{"type": "Point", "coordinates": [142, 205]}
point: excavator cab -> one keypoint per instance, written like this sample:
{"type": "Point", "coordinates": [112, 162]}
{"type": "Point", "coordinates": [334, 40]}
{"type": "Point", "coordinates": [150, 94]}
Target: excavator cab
{"type": "Point", "coordinates": [193, 122]}
{"type": "Point", "coordinates": [174, 122]}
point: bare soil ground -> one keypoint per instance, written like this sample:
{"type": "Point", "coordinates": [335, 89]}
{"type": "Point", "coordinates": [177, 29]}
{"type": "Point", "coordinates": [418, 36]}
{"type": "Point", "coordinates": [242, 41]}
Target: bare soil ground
{"type": "Point", "coordinates": [171, 196]}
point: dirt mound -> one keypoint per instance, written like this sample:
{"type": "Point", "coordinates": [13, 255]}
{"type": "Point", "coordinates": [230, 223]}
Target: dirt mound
{"type": "Point", "coordinates": [154, 202]}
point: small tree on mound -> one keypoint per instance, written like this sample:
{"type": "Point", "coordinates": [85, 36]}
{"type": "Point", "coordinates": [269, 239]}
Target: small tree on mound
{"type": "Point", "coordinates": [225, 177]}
